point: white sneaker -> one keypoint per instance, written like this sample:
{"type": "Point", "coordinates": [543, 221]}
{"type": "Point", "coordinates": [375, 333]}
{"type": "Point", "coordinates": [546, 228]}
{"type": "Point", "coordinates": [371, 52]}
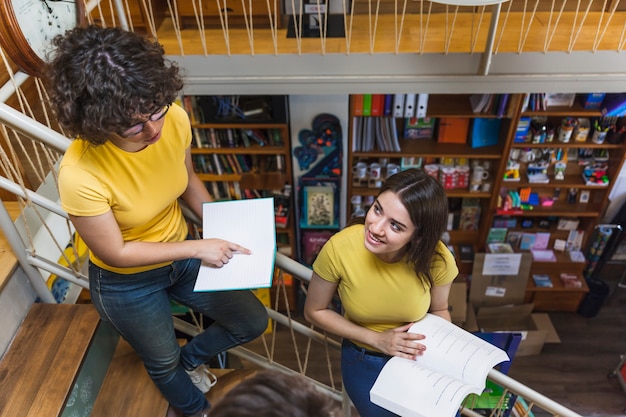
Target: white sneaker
{"type": "Point", "coordinates": [202, 378]}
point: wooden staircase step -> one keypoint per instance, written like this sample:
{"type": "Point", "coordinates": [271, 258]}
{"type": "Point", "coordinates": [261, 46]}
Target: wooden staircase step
{"type": "Point", "coordinates": [39, 369]}
{"type": "Point", "coordinates": [127, 389]}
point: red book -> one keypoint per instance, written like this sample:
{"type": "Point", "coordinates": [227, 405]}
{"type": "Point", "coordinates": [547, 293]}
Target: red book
{"type": "Point", "coordinates": [378, 104]}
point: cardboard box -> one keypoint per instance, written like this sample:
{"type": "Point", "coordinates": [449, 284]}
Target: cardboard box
{"type": "Point", "coordinates": [536, 329]}
{"type": "Point", "coordinates": [498, 290]}
{"type": "Point", "coordinates": [453, 129]}
{"type": "Point", "coordinates": [457, 302]}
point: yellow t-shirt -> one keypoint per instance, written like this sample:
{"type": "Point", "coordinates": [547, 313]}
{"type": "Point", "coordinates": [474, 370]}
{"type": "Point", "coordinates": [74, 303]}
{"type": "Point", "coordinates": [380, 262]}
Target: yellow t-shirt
{"type": "Point", "coordinates": [376, 294]}
{"type": "Point", "coordinates": [141, 188]}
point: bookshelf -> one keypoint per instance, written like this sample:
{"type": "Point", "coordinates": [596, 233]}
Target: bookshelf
{"type": "Point", "coordinates": [508, 171]}
{"type": "Point", "coordinates": [241, 149]}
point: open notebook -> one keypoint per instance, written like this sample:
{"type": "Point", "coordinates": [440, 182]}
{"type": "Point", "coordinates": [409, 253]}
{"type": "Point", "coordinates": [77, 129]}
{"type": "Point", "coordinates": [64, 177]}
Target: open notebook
{"type": "Point", "coordinates": [249, 223]}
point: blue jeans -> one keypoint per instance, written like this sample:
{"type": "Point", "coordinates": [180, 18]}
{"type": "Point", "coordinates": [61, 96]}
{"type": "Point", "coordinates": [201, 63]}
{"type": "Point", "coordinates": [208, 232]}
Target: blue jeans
{"type": "Point", "coordinates": [359, 370]}
{"type": "Point", "coordinates": [138, 306]}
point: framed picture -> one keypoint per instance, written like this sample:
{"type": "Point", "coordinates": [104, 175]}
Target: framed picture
{"type": "Point", "coordinates": [319, 205]}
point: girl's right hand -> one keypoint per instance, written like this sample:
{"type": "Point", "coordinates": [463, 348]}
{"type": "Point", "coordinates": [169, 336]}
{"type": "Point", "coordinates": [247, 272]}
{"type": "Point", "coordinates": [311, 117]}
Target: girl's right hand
{"type": "Point", "coordinates": [217, 252]}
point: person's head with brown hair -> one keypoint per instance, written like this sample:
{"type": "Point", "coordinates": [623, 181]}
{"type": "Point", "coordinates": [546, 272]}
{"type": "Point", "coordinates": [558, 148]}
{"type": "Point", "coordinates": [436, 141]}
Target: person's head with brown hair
{"type": "Point", "coordinates": [275, 394]}
{"type": "Point", "coordinates": [105, 81]}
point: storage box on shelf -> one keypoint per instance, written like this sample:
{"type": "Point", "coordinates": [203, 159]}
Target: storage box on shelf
{"type": "Point", "coordinates": [240, 156]}
{"type": "Point", "coordinates": [380, 146]}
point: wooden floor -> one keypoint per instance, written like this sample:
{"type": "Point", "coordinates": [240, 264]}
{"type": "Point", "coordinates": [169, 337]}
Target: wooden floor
{"type": "Point", "coordinates": [575, 372]}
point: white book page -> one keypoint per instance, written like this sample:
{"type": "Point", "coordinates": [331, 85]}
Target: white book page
{"type": "Point", "coordinates": [455, 351]}
{"type": "Point", "coordinates": [249, 223]}
{"type": "Point", "coordinates": [455, 364]}
{"type": "Point", "coordinates": [409, 390]}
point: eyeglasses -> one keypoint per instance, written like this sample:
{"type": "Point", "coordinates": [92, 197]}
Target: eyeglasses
{"type": "Point", "coordinates": [138, 128]}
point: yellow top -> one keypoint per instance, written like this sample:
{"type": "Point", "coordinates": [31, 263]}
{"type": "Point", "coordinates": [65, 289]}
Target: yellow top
{"type": "Point", "coordinates": [141, 188]}
{"type": "Point", "coordinates": [376, 294]}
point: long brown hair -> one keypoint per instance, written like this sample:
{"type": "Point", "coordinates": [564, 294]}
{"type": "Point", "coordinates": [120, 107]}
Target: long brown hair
{"type": "Point", "coordinates": [427, 204]}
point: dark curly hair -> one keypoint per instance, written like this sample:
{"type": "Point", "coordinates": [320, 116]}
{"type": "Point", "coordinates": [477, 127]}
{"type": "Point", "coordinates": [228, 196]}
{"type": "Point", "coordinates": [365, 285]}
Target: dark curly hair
{"type": "Point", "coordinates": [426, 201]}
{"type": "Point", "coordinates": [100, 79]}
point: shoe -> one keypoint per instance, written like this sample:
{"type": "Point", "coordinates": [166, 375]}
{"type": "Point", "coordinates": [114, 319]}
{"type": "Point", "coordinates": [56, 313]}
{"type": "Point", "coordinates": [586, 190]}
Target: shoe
{"type": "Point", "coordinates": [202, 378]}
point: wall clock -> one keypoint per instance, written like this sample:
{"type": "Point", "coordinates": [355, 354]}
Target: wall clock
{"type": "Point", "coordinates": [28, 27]}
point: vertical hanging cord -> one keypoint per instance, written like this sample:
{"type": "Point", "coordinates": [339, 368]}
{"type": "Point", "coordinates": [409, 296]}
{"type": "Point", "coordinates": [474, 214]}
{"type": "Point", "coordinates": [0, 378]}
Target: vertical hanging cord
{"type": "Point", "coordinates": [176, 26]}
{"type": "Point", "coordinates": [149, 12]}
{"type": "Point", "coordinates": [424, 32]}
{"type": "Point", "coordinates": [600, 36]}
{"type": "Point", "coordinates": [348, 27]}
{"type": "Point", "coordinates": [474, 37]}
{"type": "Point", "coordinates": [297, 25]}
{"type": "Point", "coordinates": [556, 24]}
{"type": "Point", "coordinates": [197, 11]}
{"type": "Point", "coordinates": [273, 17]}
{"type": "Point", "coordinates": [530, 23]}
{"type": "Point", "coordinates": [223, 12]}
{"type": "Point", "coordinates": [398, 31]}
{"type": "Point", "coordinates": [322, 27]}
{"type": "Point", "coordinates": [373, 37]}
{"type": "Point", "coordinates": [450, 30]}
{"type": "Point", "coordinates": [503, 27]}
{"type": "Point", "coordinates": [247, 18]}
{"type": "Point", "coordinates": [128, 19]}
{"type": "Point", "coordinates": [582, 22]}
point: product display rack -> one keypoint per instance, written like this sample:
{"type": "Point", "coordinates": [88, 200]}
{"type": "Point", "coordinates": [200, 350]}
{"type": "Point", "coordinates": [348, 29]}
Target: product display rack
{"type": "Point", "coordinates": [587, 212]}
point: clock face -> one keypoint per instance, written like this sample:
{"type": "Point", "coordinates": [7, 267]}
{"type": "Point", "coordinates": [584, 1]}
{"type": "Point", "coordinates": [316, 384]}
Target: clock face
{"type": "Point", "coordinates": [30, 25]}
{"type": "Point", "coordinates": [41, 20]}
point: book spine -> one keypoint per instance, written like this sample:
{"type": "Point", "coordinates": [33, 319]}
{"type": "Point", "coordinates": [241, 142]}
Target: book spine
{"type": "Point", "coordinates": [357, 104]}
{"type": "Point", "coordinates": [367, 104]}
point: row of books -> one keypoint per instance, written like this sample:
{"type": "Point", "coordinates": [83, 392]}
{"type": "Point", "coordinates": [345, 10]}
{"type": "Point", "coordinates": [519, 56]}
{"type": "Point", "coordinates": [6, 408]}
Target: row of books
{"type": "Point", "coordinates": [231, 190]}
{"type": "Point", "coordinates": [221, 164]}
{"type": "Point", "coordinates": [370, 133]}
{"type": "Point", "coordinates": [392, 105]}
{"type": "Point", "coordinates": [234, 138]}
{"type": "Point", "coordinates": [569, 280]}
{"type": "Point", "coordinates": [494, 104]}
{"type": "Point", "coordinates": [538, 241]}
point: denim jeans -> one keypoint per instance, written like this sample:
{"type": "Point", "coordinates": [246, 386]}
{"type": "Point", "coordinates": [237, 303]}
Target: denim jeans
{"type": "Point", "coordinates": [138, 306]}
{"type": "Point", "coordinates": [359, 370]}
